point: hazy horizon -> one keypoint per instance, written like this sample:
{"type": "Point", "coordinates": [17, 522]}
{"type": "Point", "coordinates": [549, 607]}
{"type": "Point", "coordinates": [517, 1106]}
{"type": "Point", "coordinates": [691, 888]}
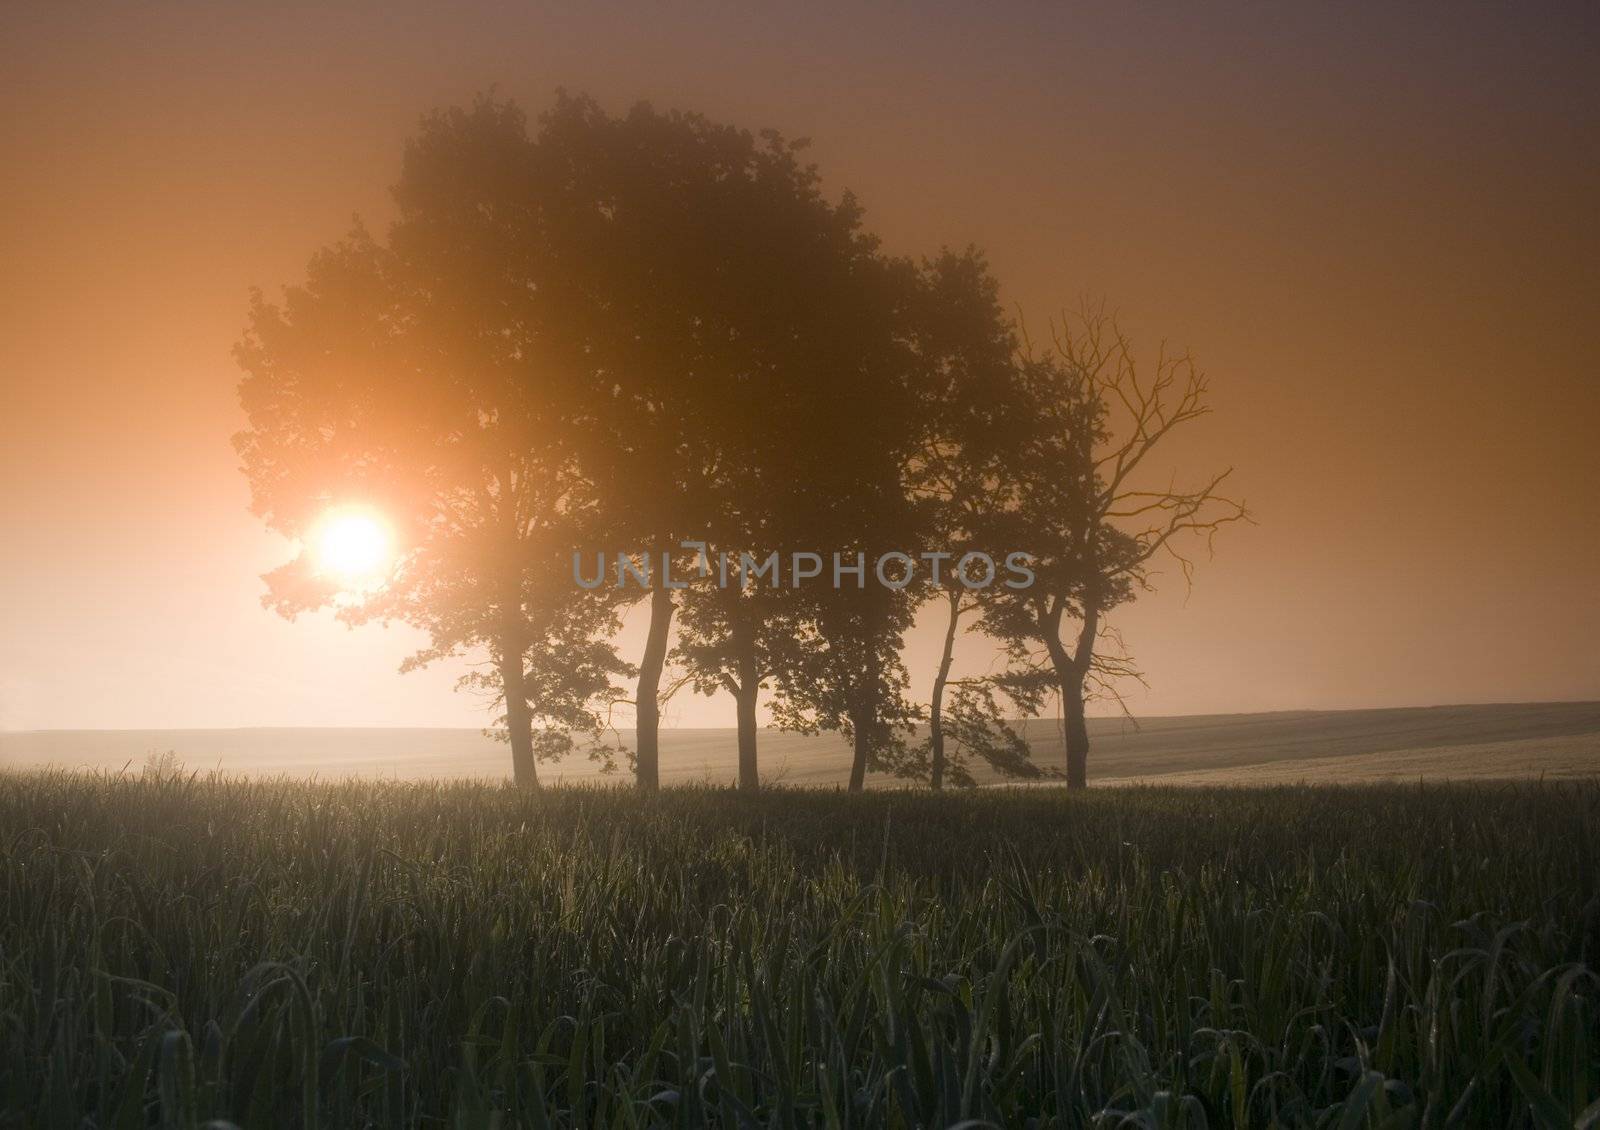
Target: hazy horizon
{"type": "Point", "coordinates": [1512, 740]}
{"type": "Point", "coordinates": [1046, 719]}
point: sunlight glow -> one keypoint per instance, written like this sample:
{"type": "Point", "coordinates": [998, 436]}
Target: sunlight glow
{"type": "Point", "coordinates": [353, 544]}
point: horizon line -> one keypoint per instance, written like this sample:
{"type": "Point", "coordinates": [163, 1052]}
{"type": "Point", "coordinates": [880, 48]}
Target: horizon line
{"type": "Point", "coordinates": [1056, 719]}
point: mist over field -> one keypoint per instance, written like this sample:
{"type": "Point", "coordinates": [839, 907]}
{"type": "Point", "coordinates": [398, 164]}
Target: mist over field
{"type": "Point", "coordinates": [1559, 739]}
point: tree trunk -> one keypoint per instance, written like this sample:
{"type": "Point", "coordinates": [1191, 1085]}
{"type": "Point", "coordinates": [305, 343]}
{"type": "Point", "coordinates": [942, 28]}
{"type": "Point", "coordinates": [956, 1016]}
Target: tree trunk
{"type": "Point", "coordinates": [863, 720]}
{"type": "Point", "coordinates": [745, 702]}
{"type": "Point", "coordinates": [647, 701]}
{"type": "Point", "coordinates": [1071, 669]}
{"type": "Point", "coordinates": [936, 702]}
{"type": "Point", "coordinates": [745, 697]}
{"type": "Point", "coordinates": [519, 719]}
{"type": "Point", "coordinates": [861, 728]}
{"type": "Point", "coordinates": [1077, 728]}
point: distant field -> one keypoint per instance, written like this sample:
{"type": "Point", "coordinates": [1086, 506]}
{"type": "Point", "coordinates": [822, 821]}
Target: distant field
{"type": "Point", "coordinates": [1441, 742]}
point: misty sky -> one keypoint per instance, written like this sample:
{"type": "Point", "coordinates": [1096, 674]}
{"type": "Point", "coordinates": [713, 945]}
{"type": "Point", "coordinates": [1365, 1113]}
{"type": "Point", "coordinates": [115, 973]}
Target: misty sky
{"type": "Point", "coordinates": [1378, 230]}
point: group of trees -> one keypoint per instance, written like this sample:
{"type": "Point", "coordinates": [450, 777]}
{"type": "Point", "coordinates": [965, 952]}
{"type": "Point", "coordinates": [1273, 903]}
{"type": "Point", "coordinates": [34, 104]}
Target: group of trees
{"type": "Point", "coordinates": [654, 333]}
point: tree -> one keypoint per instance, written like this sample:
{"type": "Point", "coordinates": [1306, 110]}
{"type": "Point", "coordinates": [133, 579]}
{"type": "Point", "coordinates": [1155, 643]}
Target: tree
{"type": "Point", "coordinates": [977, 726]}
{"type": "Point", "coordinates": [735, 638]}
{"type": "Point", "coordinates": [974, 413]}
{"type": "Point", "coordinates": [847, 675]}
{"type": "Point", "coordinates": [1083, 508]}
{"type": "Point", "coordinates": [430, 377]}
{"type": "Point", "coordinates": [720, 283]}
{"type": "Point", "coordinates": [860, 423]}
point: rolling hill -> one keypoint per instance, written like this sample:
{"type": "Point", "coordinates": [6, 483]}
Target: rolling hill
{"type": "Point", "coordinates": [1438, 742]}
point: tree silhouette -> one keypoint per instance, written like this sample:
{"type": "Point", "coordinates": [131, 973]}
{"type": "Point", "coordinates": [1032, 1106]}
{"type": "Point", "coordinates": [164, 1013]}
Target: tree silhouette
{"type": "Point", "coordinates": [430, 376]}
{"type": "Point", "coordinates": [974, 413]}
{"type": "Point", "coordinates": [863, 420]}
{"type": "Point", "coordinates": [1083, 507]}
{"type": "Point", "coordinates": [847, 675]}
{"type": "Point", "coordinates": [724, 291]}
{"type": "Point", "coordinates": [654, 334]}
{"type": "Point", "coordinates": [736, 639]}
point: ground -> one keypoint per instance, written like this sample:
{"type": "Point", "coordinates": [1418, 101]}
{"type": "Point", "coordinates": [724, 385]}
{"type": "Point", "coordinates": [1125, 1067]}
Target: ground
{"type": "Point", "coordinates": [176, 948]}
{"type": "Point", "coordinates": [1435, 743]}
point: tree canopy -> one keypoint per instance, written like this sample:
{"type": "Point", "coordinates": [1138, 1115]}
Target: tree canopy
{"type": "Point", "coordinates": [657, 338]}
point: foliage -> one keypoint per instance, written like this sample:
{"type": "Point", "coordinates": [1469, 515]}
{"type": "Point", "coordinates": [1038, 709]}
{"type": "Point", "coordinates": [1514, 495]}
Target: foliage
{"type": "Point", "coordinates": [730, 311]}
{"type": "Point", "coordinates": [434, 374]}
{"type": "Point", "coordinates": [980, 723]}
{"type": "Point", "coordinates": [280, 954]}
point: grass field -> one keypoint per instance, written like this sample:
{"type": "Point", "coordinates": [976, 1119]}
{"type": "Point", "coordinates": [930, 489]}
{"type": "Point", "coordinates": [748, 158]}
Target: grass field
{"type": "Point", "coordinates": [175, 949]}
{"type": "Point", "coordinates": [1557, 739]}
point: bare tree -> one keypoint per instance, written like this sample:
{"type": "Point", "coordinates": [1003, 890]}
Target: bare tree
{"type": "Point", "coordinates": [1087, 507]}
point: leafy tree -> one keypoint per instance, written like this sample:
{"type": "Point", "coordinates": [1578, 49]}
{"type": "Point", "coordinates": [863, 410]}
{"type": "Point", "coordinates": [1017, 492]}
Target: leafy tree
{"type": "Point", "coordinates": [724, 293]}
{"type": "Point", "coordinates": [736, 639]}
{"type": "Point", "coordinates": [975, 412]}
{"type": "Point", "coordinates": [862, 418]}
{"type": "Point", "coordinates": [978, 727]}
{"type": "Point", "coordinates": [430, 377]}
{"type": "Point", "coordinates": [847, 675]}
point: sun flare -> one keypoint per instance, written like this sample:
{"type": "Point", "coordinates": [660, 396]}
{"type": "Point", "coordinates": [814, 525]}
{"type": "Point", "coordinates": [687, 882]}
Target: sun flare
{"type": "Point", "coordinates": [353, 545]}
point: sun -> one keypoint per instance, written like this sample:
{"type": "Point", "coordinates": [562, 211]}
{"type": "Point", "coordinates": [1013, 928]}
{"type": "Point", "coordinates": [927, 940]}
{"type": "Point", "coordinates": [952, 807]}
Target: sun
{"type": "Point", "coordinates": [353, 544]}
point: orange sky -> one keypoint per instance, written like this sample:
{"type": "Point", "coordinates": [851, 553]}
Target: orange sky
{"type": "Point", "coordinates": [1378, 230]}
